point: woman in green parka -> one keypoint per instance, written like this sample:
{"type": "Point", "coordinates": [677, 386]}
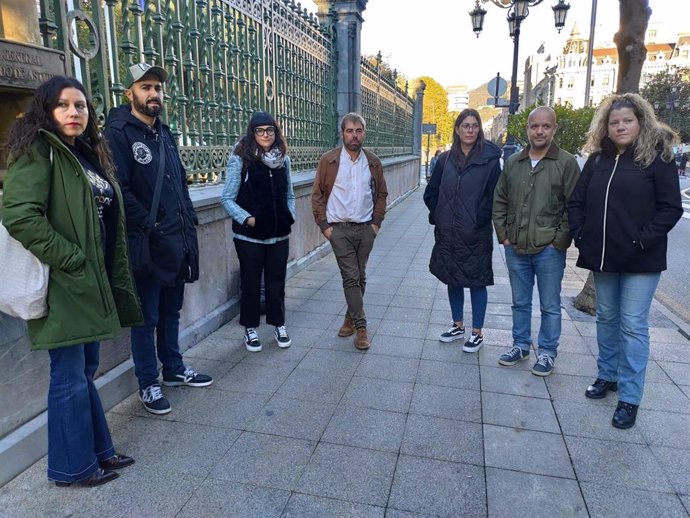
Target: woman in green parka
{"type": "Point", "coordinates": [62, 202]}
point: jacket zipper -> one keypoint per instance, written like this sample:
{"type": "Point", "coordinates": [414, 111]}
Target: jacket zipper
{"type": "Point", "coordinates": [273, 199]}
{"type": "Point", "coordinates": [606, 208]}
{"type": "Point", "coordinates": [179, 193]}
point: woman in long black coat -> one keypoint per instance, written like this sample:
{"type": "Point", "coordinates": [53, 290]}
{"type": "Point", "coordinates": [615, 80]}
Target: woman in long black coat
{"type": "Point", "coordinates": [459, 197]}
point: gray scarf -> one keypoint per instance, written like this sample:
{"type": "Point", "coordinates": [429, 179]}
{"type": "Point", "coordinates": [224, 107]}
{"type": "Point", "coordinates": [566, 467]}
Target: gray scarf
{"type": "Point", "coordinates": [273, 158]}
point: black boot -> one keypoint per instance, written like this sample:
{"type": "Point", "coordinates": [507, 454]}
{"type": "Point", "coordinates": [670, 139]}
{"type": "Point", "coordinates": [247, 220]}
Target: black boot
{"type": "Point", "coordinates": [599, 388]}
{"type": "Point", "coordinates": [97, 478]}
{"type": "Point", "coordinates": [625, 415]}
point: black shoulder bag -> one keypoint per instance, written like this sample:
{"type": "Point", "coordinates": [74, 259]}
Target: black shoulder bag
{"type": "Point", "coordinates": [139, 246]}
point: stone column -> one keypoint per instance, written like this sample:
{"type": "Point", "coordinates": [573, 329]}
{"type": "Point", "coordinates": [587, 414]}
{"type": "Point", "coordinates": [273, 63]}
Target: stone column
{"type": "Point", "coordinates": [418, 88]}
{"type": "Point", "coordinates": [347, 26]}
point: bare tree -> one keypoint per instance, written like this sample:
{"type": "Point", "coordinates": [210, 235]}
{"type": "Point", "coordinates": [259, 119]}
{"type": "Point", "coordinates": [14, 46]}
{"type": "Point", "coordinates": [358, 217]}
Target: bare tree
{"type": "Point", "coordinates": [632, 52]}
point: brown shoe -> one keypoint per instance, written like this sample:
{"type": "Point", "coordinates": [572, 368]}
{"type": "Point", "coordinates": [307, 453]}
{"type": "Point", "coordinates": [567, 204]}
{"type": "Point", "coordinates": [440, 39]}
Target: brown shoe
{"type": "Point", "coordinates": [362, 339]}
{"type": "Point", "coordinates": [348, 327]}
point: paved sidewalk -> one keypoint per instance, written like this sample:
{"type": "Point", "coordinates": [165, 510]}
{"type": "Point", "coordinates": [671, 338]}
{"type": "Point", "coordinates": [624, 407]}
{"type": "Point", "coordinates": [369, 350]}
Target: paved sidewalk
{"type": "Point", "coordinates": [411, 428]}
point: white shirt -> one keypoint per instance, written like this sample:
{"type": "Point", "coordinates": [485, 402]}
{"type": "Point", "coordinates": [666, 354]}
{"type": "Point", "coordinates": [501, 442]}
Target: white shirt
{"type": "Point", "coordinates": [351, 198]}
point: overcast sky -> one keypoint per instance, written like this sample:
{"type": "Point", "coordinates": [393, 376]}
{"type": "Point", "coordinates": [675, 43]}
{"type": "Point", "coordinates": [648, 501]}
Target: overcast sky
{"type": "Point", "coordinates": [435, 38]}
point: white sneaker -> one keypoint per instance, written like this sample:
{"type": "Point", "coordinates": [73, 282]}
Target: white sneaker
{"type": "Point", "coordinates": [282, 338]}
{"type": "Point", "coordinates": [251, 340]}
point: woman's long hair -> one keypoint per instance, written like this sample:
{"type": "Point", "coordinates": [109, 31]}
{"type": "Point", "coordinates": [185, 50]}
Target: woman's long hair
{"type": "Point", "coordinates": [655, 137]}
{"type": "Point", "coordinates": [24, 130]}
{"type": "Point", "coordinates": [456, 149]}
{"type": "Point", "coordinates": [250, 151]}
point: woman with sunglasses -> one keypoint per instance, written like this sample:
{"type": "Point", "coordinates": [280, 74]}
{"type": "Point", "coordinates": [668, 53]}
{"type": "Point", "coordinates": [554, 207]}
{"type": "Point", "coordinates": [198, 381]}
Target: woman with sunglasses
{"type": "Point", "coordinates": [259, 198]}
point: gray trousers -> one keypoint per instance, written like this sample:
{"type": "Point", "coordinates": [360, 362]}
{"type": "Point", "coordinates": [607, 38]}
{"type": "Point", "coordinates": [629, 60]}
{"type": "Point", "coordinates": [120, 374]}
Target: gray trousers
{"type": "Point", "coordinates": [352, 244]}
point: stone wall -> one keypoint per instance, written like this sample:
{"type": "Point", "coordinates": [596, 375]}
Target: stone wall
{"type": "Point", "coordinates": [209, 303]}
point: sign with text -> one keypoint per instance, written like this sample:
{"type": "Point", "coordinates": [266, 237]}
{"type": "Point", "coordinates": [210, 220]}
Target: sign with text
{"type": "Point", "coordinates": [429, 129]}
{"type": "Point", "coordinates": [27, 66]}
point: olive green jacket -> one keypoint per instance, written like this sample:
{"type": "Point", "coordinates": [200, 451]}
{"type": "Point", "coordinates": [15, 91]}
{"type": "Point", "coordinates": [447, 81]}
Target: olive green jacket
{"type": "Point", "coordinates": [530, 204]}
{"type": "Point", "coordinates": [48, 206]}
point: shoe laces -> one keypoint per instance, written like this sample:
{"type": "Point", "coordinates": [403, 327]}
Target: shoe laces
{"type": "Point", "coordinates": [251, 334]}
{"type": "Point", "coordinates": [515, 351]}
{"type": "Point", "coordinates": [544, 360]}
{"type": "Point", "coordinates": [475, 337]}
{"type": "Point", "coordinates": [189, 374]}
{"type": "Point", "coordinates": [282, 332]}
{"type": "Point", "coordinates": [152, 393]}
{"type": "Point", "coordinates": [455, 329]}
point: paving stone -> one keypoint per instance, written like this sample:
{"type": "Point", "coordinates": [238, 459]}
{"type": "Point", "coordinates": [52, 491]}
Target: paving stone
{"type": "Point", "coordinates": [255, 378]}
{"type": "Point", "coordinates": [675, 464]}
{"type": "Point", "coordinates": [308, 319]}
{"type": "Point", "coordinates": [366, 428]}
{"type": "Point", "coordinates": [664, 428]}
{"type": "Point", "coordinates": [331, 362]}
{"type": "Point", "coordinates": [582, 419]}
{"type": "Point", "coordinates": [438, 488]}
{"type": "Point", "coordinates": [216, 347]}
{"type": "Point", "coordinates": [319, 307]}
{"type": "Point", "coordinates": [265, 460]}
{"type": "Point", "coordinates": [404, 347]}
{"type": "Point", "coordinates": [456, 375]}
{"type": "Point", "coordinates": [233, 500]}
{"type": "Point", "coordinates": [678, 372]}
{"type": "Point", "coordinates": [669, 351]}
{"type": "Point", "coordinates": [408, 314]}
{"type": "Point", "coordinates": [663, 396]}
{"type": "Point", "coordinates": [620, 502]}
{"type": "Point", "coordinates": [512, 381]}
{"type": "Point", "coordinates": [329, 295]}
{"type": "Point", "coordinates": [526, 450]}
{"type": "Point", "coordinates": [617, 464]}
{"type": "Point", "coordinates": [379, 393]}
{"type": "Point", "coordinates": [447, 352]}
{"type": "Point", "coordinates": [447, 402]}
{"type": "Point", "coordinates": [519, 412]}
{"type": "Point", "coordinates": [403, 328]}
{"type": "Point", "coordinates": [409, 301]}
{"type": "Point", "coordinates": [443, 439]}
{"type": "Point", "coordinates": [314, 386]}
{"type": "Point", "coordinates": [563, 387]}
{"type": "Point", "coordinates": [387, 367]}
{"type": "Point", "coordinates": [576, 364]}
{"type": "Point", "coordinates": [293, 418]}
{"type": "Point", "coordinates": [667, 335]}
{"type": "Point", "coordinates": [307, 506]}
{"type": "Point", "coordinates": [347, 473]}
{"type": "Point", "coordinates": [302, 336]}
{"type": "Point", "coordinates": [511, 494]}
{"type": "Point", "coordinates": [413, 291]}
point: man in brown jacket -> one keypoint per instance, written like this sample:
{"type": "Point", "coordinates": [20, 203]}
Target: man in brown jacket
{"type": "Point", "coordinates": [349, 204]}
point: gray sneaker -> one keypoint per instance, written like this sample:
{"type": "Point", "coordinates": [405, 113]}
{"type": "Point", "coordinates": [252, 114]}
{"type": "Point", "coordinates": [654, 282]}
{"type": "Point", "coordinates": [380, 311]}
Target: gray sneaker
{"type": "Point", "coordinates": [515, 355]}
{"type": "Point", "coordinates": [544, 365]}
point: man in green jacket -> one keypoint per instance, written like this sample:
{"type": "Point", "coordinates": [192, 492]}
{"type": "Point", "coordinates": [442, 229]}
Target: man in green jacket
{"type": "Point", "coordinates": [531, 222]}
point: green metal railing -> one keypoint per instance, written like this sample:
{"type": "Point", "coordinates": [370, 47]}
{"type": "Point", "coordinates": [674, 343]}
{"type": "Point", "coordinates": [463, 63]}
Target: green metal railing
{"type": "Point", "coordinates": [388, 110]}
{"type": "Point", "coordinates": [225, 59]}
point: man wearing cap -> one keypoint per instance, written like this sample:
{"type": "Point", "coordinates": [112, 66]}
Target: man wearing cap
{"type": "Point", "coordinates": [349, 203]}
{"type": "Point", "coordinates": [141, 144]}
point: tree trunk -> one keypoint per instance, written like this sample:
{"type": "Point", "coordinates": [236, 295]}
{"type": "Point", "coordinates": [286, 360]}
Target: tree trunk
{"type": "Point", "coordinates": [632, 52]}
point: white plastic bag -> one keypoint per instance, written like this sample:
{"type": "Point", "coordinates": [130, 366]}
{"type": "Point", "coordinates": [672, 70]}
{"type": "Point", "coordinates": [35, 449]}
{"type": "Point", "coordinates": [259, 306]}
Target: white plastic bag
{"type": "Point", "coordinates": [23, 280]}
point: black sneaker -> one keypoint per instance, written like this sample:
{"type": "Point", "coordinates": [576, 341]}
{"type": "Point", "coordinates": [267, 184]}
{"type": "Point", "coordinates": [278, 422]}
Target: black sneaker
{"type": "Point", "coordinates": [474, 343]}
{"type": "Point", "coordinates": [454, 333]}
{"type": "Point", "coordinates": [188, 378]}
{"type": "Point", "coordinates": [600, 388]}
{"type": "Point", "coordinates": [515, 355]}
{"type": "Point", "coordinates": [251, 340]}
{"type": "Point", "coordinates": [154, 401]}
{"type": "Point", "coordinates": [282, 338]}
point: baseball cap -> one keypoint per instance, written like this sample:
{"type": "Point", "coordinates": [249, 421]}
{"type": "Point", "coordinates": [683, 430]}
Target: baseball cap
{"type": "Point", "coordinates": [136, 72]}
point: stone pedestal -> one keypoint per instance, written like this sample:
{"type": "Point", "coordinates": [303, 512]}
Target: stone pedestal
{"type": "Point", "coordinates": [418, 88]}
{"type": "Point", "coordinates": [345, 18]}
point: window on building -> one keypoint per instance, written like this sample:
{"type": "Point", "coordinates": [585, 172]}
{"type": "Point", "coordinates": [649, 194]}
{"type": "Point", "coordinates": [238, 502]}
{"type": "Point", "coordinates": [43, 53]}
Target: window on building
{"type": "Point", "coordinates": [560, 82]}
{"type": "Point", "coordinates": [684, 54]}
{"type": "Point", "coordinates": [591, 83]}
{"type": "Point", "coordinates": [571, 82]}
{"type": "Point", "coordinates": [605, 81]}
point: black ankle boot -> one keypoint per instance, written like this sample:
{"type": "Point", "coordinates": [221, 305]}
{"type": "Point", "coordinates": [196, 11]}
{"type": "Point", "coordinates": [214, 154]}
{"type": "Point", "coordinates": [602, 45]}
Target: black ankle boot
{"type": "Point", "coordinates": [625, 415]}
{"type": "Point", "coordinates": [599, 388]}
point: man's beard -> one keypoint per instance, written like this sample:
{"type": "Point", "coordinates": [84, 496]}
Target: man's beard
{"type": "Point", "coordinates": [546, 144]}
{"type": "Point", "coordinates": [148, 110]}
{"type": "Point", "coordinates": [353, 146]}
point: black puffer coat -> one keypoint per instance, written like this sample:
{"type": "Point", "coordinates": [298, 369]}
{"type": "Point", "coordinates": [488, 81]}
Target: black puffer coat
{"type": "Point", "coordinates": [460, 204]}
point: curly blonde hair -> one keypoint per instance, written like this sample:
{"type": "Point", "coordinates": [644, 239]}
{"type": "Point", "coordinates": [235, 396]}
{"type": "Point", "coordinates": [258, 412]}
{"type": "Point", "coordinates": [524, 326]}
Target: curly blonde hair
{"type": "Point", "coordinates": [655, 137]}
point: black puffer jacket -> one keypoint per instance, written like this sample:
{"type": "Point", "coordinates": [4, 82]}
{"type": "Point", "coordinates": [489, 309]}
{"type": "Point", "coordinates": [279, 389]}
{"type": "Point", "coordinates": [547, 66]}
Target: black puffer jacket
{"type": "Point", "coordinates": [460, 203]}
{"type": "Point", "coordinates": [621, 213]}
{"type": "Point", "coordinates": [136, 152]}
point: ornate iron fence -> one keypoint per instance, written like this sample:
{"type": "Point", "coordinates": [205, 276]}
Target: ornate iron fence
{"type": "Point", "coordinates": [225, 58]}
{"type": "Point", "coordinates": [388, 110]}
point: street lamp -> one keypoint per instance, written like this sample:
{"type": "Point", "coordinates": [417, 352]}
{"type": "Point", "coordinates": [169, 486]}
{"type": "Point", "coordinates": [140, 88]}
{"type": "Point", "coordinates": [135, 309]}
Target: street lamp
{"type": "Point", "coordinates": [518, 10]}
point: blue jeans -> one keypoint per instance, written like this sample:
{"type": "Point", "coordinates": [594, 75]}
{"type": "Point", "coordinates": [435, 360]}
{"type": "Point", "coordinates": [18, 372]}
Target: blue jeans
{"type": "Point", "coordinates": [479, 298]}
{"type": "Point", "coordinates": [161, 307]}
{"type": "Point", "coordinates": [78, 435]}
{"type": "Point", "coordinates": [623, 302]}
{"type": "Point", "coordinates": [548, 267]}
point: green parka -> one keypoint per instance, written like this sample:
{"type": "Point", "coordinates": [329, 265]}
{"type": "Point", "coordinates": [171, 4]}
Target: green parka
{"type": "Point", "coordinates": [49, 208]}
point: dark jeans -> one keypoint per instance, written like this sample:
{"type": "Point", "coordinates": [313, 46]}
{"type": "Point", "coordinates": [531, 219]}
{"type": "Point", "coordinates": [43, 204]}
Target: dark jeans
{"type": "Point", "coordinates": [271, 260]}
{"type": "Point", "coordinates": [479, 298]}
{"type": "Point", "coordinates": [78, 435]}
{"type": "Point", "coordinates": [352, 244]}
{"type": "Point", "coordinates": [161, 307]}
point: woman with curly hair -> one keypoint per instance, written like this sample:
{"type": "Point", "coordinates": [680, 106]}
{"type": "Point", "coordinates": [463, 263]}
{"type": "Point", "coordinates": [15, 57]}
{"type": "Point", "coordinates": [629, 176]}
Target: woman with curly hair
{"type": "Point", "coordinates": [62, 202]}
{"type": "Point", "coordinates": [259, 197]}
{"type": "Point", "coordinates": [624, 205]}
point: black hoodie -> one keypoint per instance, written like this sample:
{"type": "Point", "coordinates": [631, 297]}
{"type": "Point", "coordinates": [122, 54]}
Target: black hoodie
{"type": "Point", "coordinates": [136, 150]}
